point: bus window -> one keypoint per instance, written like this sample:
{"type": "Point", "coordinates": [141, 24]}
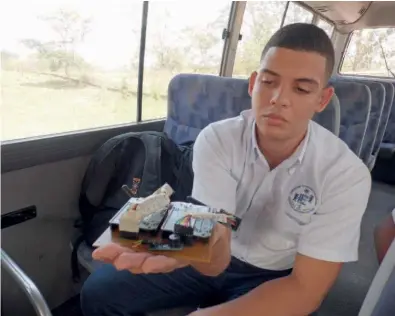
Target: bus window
{"type": "Point", "coordinates": [181, 37]}
{"type": "Point", "coordinates": [68, 66]}
{"type": "Point", "coordinates": [370, 52]}
{"type": "Point", "coordinates": [297, 14]}
{"type": "Point", "coordinates": [261, 19]}
{"type": "Point", "coordinates": [328, 28]}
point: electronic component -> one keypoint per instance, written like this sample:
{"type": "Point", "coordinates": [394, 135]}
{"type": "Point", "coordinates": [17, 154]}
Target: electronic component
{"type": "Point", "coordinates": [164, 247]}
{"type": "Point", "coordinates": [130, 219]}
{"type": "Point", "coordinates": [175, 241]}
{"type": "Point", "coordinates": [180, 220]}
{"type": "Point", "coordinates": [184, 226]}
{"type": "Point", "coordinates": [231, 220]}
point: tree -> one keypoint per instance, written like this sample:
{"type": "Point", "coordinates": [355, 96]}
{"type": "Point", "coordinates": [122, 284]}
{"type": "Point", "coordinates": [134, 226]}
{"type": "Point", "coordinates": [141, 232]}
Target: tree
{"type": "Point", "coordinates": [261, 20]}
{"type": "Point", "coordinates": [70, 30]}
{"type": "Point", "coordinates": [371, 51]}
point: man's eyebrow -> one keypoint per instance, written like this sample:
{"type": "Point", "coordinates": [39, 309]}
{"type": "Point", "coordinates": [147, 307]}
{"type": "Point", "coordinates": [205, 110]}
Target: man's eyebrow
{"type": "Point", "coordinates": [300, 80]}
{"type": "Point", "coordinates": [271, 72]}
{"type": "Point", "coordinates": [307, 80]}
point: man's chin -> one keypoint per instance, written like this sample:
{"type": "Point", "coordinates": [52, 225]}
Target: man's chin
{"type": "Point", "coordinates": [274, 132]}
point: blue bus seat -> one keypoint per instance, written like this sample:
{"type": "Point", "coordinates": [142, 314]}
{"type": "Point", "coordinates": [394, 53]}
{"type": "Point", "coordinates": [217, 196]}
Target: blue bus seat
{"type": "Point", "coordinates": [355, 104]}
{"type": "Point", "coordinates": [389, 136]}
{"type": "Point", "coordinates": [330, 117]}
{"type": "Point", "coordinates": [194, 101]}
{"type": "Point", "coordinates": [378, 98]}
{"type": "Point", "coordinates": [389, 100]}
{"type": "Point", "coordinates": [384, 169]}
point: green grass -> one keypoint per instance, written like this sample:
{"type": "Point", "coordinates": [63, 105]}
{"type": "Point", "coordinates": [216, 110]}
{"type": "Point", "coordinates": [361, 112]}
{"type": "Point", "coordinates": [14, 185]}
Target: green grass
{"type": "Point", "coordinates": [35, 105]}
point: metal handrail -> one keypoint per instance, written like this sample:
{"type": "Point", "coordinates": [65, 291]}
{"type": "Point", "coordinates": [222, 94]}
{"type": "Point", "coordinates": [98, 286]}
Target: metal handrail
{"type": "Point", "coordinates": [26, 284]}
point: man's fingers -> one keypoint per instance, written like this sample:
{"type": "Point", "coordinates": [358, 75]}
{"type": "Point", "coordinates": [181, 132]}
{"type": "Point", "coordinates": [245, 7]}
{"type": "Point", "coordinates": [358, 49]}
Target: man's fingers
{"type": "Point", "coordinates": [161, 264]}
{"type": "Point", "coordinates": [109, 253]}
{"type": "Point", "coordinates": [131, 260]}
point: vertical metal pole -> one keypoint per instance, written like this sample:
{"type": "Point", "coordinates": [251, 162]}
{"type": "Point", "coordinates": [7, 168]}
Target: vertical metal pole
{"type": "Point", "coordinates": [232, 38]}
{"type": "Point", "coordinates": [284, 14]}
{"type": "Point", "coordinates": [141, 61]}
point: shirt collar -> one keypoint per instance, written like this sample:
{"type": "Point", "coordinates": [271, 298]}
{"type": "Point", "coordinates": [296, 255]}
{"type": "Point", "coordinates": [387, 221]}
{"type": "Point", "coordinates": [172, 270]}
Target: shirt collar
{"type": "Point", "coordinates": [296, 157]}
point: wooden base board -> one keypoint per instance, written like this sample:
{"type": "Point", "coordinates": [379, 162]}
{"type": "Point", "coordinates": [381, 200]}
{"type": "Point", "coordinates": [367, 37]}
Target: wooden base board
{"type": "Point", "coordinates": [199, 252]}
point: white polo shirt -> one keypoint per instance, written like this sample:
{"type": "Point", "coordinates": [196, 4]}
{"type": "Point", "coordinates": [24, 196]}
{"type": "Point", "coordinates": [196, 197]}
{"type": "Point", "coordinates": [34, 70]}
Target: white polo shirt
{"type": "Point", "coordinates": [312, 203]}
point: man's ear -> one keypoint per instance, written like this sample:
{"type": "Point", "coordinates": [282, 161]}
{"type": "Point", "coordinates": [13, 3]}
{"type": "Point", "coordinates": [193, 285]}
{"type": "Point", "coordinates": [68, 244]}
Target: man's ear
{"type": "Point", "coordinates": [251, 82]}
{"type": "Point", "coordinates": [326, 97]}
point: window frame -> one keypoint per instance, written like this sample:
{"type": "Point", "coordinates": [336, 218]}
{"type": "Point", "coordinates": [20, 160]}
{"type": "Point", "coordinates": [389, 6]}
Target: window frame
{"type": "Point", "coordinates": [21, 153]}
{"type": "Point", "coordinates": [344, 51]}
{"type": "Point", "coordinates": [27, 152]}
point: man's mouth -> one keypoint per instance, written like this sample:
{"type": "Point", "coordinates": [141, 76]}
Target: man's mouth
{"type": "Point", "coordinates": [275, 117]}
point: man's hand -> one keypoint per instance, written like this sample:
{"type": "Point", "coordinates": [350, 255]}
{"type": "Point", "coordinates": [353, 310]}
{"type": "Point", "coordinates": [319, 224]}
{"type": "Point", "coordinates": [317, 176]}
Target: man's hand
{"type": "Point", "coordinates": [124, 258]}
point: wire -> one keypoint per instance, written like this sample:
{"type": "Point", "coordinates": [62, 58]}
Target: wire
{"type": "Point", "coordinates": [137, 243]}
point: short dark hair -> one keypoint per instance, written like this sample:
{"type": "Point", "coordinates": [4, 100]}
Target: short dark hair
{"type": "Point", "coordinates": [304, 37]}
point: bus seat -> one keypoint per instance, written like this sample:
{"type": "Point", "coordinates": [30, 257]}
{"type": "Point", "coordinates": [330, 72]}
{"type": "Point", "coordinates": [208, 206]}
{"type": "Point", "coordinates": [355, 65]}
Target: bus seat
{"type": "Point", "coordinates": [330, 117]}
{"type": "Point", "coordinates": [195, 100]}
{"type": "Point", "coordinates": [378, 98]}
{"type": "Point", "coordinates": [389, 136]}
{"type": "Point", "coordinates": [384, 168]}
{"type": "Point", "coordinates": [378, 93]}
{"type": "Point", "coordinates": [355, 104]}
{"type": "Point", "coordinates": [389, 100]}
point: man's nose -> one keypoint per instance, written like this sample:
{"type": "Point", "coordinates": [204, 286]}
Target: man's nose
{"type": "Point", "coordinates": [281, 97]}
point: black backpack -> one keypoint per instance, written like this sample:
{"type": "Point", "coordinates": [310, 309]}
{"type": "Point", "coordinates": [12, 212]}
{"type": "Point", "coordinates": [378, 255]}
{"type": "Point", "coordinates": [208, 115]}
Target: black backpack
{"type": "Point", "coordinates": [143, 161]}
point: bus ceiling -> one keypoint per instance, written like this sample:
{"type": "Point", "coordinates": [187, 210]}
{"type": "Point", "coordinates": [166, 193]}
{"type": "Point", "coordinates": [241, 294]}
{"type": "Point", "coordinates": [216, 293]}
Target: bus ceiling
{"type": "Point", "coordinates": [353, 15]}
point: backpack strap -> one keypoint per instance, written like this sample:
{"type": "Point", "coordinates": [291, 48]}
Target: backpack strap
{"type": "Point", "coordinates": [152, 179]}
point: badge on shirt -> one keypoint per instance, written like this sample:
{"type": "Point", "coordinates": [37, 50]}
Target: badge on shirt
{"type": "Point", "coordinates": [303, 199]}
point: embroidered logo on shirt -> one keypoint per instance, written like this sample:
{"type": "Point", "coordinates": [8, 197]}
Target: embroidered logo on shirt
{"type": "Point", "coordinates": [303, 199]}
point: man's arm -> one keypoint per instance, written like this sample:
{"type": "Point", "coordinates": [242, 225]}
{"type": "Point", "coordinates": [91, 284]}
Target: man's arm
{"type": "Point", "coordinates": [384, 234]}
{"type": "Point", "coordinates": [331, 238]}
{"type": "Point", "coordinates": [214, 186]}
{"type": "Point", "coordinates": [299, 294]}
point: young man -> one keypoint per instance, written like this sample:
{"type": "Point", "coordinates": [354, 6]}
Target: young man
{"type": "Point", "coordinates": [300, 191]}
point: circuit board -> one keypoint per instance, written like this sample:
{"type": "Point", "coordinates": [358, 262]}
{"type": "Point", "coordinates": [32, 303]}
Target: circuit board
{"type": "Point", "coordinates": [156, 228]}
{"type": "Point", "coordinates": [200, 251]}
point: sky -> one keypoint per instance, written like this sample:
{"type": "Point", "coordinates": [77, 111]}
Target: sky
{"type": "Point", "coordinates": [111, 41]}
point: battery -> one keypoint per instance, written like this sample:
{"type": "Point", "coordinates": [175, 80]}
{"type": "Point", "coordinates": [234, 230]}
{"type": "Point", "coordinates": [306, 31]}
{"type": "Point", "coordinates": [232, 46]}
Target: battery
{"type": "Point", "coordinates": [174, 240]}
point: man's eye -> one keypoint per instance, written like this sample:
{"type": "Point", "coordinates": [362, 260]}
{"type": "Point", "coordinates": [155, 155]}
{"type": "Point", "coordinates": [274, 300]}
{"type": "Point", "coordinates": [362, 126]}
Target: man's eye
{"type": "Point", "coordinates": [302, 90]}
{"type": "Point", "coordinates": [268, 82]}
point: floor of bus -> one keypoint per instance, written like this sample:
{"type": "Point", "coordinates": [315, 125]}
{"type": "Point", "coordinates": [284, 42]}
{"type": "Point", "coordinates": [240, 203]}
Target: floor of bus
{"type": "Point", "coordinates": [348, 293]}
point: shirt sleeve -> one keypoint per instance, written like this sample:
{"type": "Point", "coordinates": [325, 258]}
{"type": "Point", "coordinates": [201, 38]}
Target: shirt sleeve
{"type": "Point", "coordinates": [213, 184]}
{"type": "Point", "coordinates": [334, 231]}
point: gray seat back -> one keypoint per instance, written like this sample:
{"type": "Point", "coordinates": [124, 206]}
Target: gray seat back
{"type": "Point", "coordinates": [330, 117]}
{"type": "Point", "coordinates": [355, 104]}
{"type": "Point", "coordinates": [389, 136]}
{"type": "Point", "coordinates": [378, 94]}
{"type": "Point", "coordinates": [388, 104]}
{"type": "Point", "coordinates": [378, 97]}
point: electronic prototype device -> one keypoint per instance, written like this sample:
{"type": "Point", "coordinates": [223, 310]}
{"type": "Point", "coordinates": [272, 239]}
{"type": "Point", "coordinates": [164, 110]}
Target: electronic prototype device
{"type": "Point", "coordinates": [161, 225]}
